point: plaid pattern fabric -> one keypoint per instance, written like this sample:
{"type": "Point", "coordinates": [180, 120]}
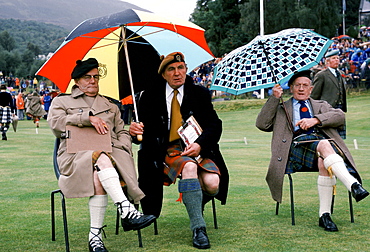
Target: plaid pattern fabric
{"type": "Point", "coordinates": [96, 155]}
{"type": "Point", "coordinates": [247, 68]}
{"type": "Point", "coordinates": [174, 163]}
{"type": "Point", "coordinates": [5, 114]}
{"type": "Point", "coordinates": [303, 157]}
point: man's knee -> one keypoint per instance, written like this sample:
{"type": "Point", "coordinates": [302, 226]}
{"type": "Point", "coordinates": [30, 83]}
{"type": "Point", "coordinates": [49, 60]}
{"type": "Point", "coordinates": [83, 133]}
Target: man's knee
{"type": "Point", "coordinates": [103, 161]}
{"type": "Point", "coordinates": [190, 170]}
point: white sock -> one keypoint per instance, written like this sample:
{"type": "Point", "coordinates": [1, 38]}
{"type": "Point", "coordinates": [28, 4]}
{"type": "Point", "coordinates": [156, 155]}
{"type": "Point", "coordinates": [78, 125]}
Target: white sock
{"type": "Point", "coordinates": [97, 205]}
{"type": "Point", "coordinates": [339, 170]}
{"type": "Point", "coordinates": [110, 181]}
{"type": "Point", "coordinates": [325, 188]}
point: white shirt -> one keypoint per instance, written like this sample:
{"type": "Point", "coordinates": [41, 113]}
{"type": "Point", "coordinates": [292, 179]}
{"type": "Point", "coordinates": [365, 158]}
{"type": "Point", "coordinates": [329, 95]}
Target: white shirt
{"type": "Point", "coordinates": [169, 95]}
{"type": "Point", "coordinates": [332, 70]}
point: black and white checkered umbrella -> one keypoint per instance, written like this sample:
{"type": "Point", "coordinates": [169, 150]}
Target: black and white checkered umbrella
{"type": "Point", "coordinates": [268, 60]}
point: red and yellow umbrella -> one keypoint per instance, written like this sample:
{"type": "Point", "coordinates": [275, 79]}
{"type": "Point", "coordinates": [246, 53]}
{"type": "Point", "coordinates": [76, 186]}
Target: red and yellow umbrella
{"type": "Point", "coordinates": [127, 44]}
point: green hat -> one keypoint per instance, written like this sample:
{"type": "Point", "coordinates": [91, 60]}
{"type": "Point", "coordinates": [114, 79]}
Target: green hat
{"type": "Point", "coordinates": [331, 53]}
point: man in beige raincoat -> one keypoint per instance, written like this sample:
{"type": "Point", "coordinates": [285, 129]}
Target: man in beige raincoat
{"type": "Point", "coordinates": [93, 173]}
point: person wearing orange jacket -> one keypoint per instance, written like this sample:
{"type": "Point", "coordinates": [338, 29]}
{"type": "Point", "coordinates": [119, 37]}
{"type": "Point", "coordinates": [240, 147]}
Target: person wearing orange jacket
{"type": "Point", "coordinates": [20, 106]}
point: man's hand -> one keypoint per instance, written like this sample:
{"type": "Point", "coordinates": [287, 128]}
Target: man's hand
{"type": "Point", "coordinates": [277, 91]}
{"type": "Point", "coordinates": [307, 123]}
{"type": "Point", "coordinates": [192, 150]}
{"type": "Point", "coordinates": [99, 124]}
{"type": "Point", "coordinates": [136, 129]}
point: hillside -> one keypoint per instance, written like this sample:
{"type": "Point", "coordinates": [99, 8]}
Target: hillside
{"type": "Point", "coordinates": [66, 13]}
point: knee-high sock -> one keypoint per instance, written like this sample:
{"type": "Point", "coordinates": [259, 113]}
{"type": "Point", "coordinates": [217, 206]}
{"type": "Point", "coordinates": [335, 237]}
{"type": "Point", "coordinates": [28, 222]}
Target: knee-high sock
{"type": "Point", "coordinates": [110, 181]}
{"type": "Point", "coordinates": [97, 205]}
{"type": "Point", "coordinates": [192, 198]}
{"type": "Point", "coordinates": [339, 170]}
{"type": "Point", "coordinates": [325, 188]}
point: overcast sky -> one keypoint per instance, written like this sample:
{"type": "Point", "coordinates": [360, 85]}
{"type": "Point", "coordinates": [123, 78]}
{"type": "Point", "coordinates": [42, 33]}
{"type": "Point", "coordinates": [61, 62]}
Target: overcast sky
{"type": "Point", "coordinates": [177, 8]}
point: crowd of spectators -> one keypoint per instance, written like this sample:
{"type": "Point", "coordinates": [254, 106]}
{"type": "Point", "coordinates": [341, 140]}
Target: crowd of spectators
{"type": "Point", "coordinates": [354, 59]}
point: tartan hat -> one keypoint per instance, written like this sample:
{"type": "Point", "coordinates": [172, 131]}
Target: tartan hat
{"type": "Point", "coordinates": [83, 67]}
{"type": "Point", "coordinates": [169, 59]}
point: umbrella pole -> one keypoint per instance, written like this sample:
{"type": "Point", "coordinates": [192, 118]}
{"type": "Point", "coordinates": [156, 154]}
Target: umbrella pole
{"type": "Point", "coordinates": [274, 77]}
{"type": "Point", "coordinates": [139, 137]}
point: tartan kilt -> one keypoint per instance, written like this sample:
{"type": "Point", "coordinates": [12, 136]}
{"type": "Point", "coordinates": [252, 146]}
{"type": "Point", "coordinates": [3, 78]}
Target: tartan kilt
{"type": "Point", "coordinates": [303, 156]}
{"type": "Point", "coordinates": [5, 114]}
{"type": "Point", "coordinates": [174, 163]}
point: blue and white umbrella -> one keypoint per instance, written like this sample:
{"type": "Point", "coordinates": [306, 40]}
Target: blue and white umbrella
{"type": "Point", "coordinates": [268, 60]}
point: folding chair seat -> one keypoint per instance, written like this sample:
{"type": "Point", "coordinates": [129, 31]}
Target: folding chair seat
{"type": "Point", "coordinates": [292, 202]}
{"type": "Point", "coordinates": [64, 211]}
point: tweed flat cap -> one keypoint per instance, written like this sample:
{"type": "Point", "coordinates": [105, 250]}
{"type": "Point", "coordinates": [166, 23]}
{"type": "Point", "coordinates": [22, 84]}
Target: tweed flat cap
{"type": "Point", "coordinates": [169, 59]}
{"type": "Point", "coordinates": [83, 67]}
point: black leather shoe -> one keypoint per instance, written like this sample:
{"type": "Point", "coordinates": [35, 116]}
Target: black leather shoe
{"type": "Point", "coordinates": [200, 238]}
{"type": "Point", "coordinates": [134, 221]}
{"type": "Point", "coordinates": [4, 137]}
{"type": "Point", "coordinates": [326, 222]}
{"type": "Point", "coordinates": [358, 192]}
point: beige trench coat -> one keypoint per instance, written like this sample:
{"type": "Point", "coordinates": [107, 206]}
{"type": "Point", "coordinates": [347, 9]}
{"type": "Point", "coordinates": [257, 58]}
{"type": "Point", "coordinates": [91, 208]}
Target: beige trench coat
{"type": "Point", "coordinates": [76, 178]}
{"type": "Point", "coordinates": [272, 118]}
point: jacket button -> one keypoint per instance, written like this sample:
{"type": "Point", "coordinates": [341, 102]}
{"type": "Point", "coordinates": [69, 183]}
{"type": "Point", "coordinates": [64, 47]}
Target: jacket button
{"type": "Point", "coordinates": [279, 159]}
{"type": "Point", "coordinates": [284, 140]}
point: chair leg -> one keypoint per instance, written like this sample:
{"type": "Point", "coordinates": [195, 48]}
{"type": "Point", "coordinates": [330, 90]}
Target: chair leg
{"type": "Point", "coordinates": [64, 212]}
{"type": "Point", "coordinates": [155, 227]}
{"type": "Point", "coordinates": [277, 208]}
{"type": "Point", "coordinates": [351, 207]}
{"type": "Point", "coordinates": [214, 213]}
{"type": "Point", "coordinates": [291, 199]}
{"type": "Point", "coordinates": [139, 231]}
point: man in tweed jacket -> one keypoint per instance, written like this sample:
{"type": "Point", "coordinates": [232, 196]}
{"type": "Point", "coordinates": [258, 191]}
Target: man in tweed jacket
{"type": "Point", "coordinates": [295, 148]}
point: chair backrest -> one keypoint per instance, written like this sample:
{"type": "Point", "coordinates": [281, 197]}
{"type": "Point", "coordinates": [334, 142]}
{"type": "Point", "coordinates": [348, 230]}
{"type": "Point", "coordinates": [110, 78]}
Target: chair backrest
{"type": "Point", "coordinates": [55, 154]}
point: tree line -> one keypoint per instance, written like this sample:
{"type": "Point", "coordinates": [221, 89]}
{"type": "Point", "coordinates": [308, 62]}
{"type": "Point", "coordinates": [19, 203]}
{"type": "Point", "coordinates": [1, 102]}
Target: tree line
{"type": "Point", "coordinates": [229, 24]}
{"type": "Point", "coordinates": [21, 42]}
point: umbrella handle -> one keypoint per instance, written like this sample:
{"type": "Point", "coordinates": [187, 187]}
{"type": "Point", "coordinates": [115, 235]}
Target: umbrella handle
{"type": "Point", "coordinates": [139, 138]}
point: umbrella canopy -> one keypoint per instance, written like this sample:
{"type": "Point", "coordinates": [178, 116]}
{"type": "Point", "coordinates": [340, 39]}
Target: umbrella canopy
{"type": "Point", "coordinates": [127, 45]}
{"type": "Point", "coordinates": [268, 60]}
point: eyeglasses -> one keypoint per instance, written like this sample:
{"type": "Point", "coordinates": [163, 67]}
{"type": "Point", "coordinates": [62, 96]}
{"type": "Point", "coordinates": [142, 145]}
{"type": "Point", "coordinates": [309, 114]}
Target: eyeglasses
{"type": "Point", "coordinates": [87, 77]}
{"type": "Point", "coordinates": [302, 86]}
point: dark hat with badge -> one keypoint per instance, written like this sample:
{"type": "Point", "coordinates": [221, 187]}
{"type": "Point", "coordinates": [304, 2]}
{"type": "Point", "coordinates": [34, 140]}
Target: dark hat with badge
{"type": "Point", "coordinates": [304, 73]}
{"type": "Point", "coordinates": [169, 59]}
{"type": "Point", "coordinates": [83, 67]}
{"type": "Point", "coordinates": [332, 53]}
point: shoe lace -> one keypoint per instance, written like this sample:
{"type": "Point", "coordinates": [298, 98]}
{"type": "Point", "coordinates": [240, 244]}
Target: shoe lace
{"type": "Point", "coordinates": [133, 213]}
{"type": "Point", "coordinates": [96, 241]}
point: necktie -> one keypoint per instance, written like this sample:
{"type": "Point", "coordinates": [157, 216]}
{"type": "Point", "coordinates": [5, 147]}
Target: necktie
{"type": "Point", "coordinates": [339, 85]}
{"type": "Point", "coordinates": [304, 112]}
{"type": "Point", "coordinates": [175, 117]}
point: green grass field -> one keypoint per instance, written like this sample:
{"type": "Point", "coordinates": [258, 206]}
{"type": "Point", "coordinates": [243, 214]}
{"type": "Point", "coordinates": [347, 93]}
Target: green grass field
{"type": "Point", "coordinates": [246, 223]}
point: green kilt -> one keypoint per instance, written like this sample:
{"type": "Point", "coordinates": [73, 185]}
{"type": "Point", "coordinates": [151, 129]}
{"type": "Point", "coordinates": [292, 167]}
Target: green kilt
{"type": "Point", "coordinates": [303, 155]}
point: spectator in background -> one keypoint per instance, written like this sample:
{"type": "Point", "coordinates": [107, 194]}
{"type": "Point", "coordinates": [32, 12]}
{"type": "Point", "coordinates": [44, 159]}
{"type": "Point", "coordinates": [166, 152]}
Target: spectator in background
{"type": "Point", "coordinates": [6, 111]}
{"type": "Point", "coordinates": [34, 108]}
{"type": "Point", "coordinates": [20, 106]}
{"type": "Point", "coordinates": [328, 85]}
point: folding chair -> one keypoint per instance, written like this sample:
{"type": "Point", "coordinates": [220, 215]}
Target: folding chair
{"type": "Point", "coordinates": [292, 202]}
{"type": "Point", "coordinates": [64, 211]}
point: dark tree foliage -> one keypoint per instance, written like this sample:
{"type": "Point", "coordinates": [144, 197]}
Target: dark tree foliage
{"type": "Point", "coordinates": [231, 23]}
{"type": "Point", "coordinates": [22, 41]}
